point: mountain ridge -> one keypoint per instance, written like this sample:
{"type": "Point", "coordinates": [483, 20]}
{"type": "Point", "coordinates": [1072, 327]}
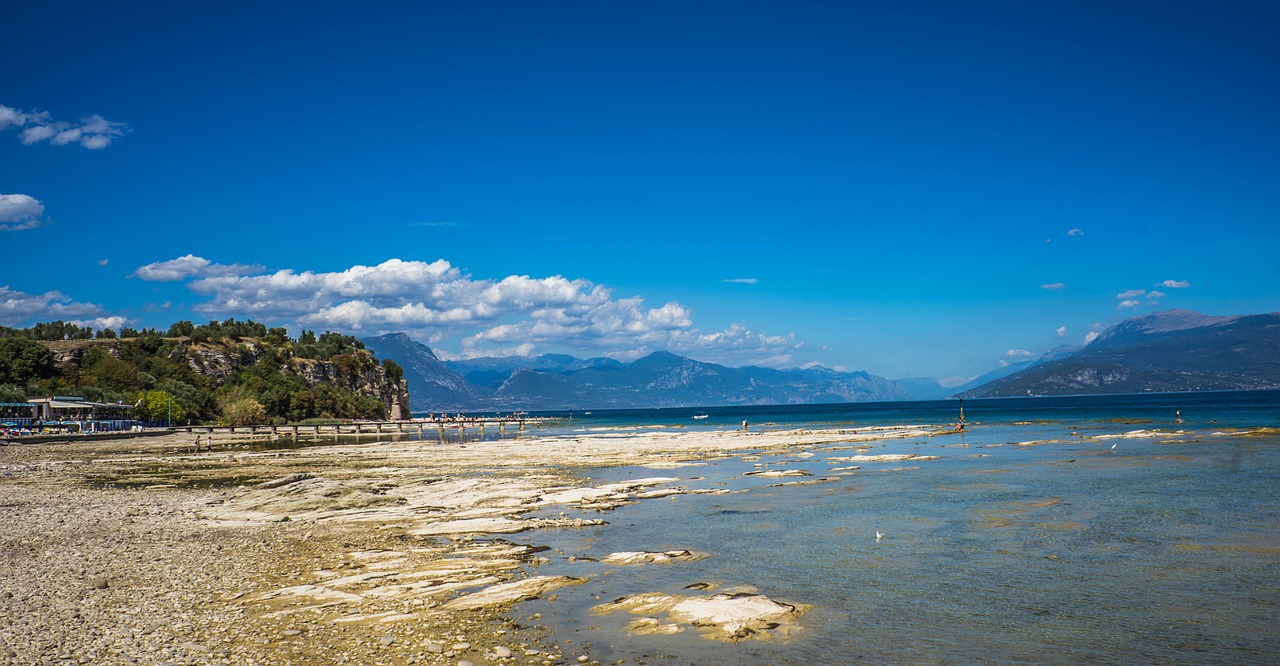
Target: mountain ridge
{"type": "Point", "coordinates": [660, 379]}
{"type": "Point", "coordinates": [1175, 350]}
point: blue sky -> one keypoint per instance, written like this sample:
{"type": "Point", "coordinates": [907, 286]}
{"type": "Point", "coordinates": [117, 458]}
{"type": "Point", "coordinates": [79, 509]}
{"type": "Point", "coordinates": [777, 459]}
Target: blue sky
{"type": "Point", "coordinates": [916, 188]}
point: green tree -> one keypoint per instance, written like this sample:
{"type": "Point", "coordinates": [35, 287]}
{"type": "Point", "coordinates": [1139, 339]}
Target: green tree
{"type": "Point", "coordinates": [181, 329]}
{"type": "Point", "coordinates": [23, 360]}
{"type": "Point", "coordinates": [157, 405]}
{"type": "Point", "coordinates": [239, 407]}
{"type": "Point", "coordinates": [394, 372]}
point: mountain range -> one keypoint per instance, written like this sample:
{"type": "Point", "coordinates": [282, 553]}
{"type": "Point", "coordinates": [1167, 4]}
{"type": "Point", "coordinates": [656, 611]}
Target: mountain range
{"type": "Point", "coordinates": [661, 379]}
{"type": "Point", "coordinates": [1177, 350]}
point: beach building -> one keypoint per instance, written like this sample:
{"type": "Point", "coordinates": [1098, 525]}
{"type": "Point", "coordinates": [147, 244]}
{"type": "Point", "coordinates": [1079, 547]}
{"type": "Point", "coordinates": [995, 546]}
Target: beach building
{"type": "Point", "coordinates": [72, 413]}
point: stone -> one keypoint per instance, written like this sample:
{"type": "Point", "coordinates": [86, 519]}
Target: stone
{"type": "Point", "coordinates": [501, 652]}
{"type": "Point", "coordinates": [387, 640]}
{"type": "Point", "coordinates": [433, 648]}
{"type": "Point", "coordinates": [99, 583]}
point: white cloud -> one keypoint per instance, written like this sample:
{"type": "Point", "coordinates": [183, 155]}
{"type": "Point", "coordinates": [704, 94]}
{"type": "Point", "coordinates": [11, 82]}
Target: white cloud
{"type": "Point", "coordinates": [1095, 329]}
{"type": "Point", "coordinates": [19, 211]}
{"type": "Point", "coordinates": [18, 308]}
{"type": "Point", "coordinates": [474, 317]}
{"type": "Point", "coordinates": [743, 280]}
{"type": "Point", "coordinates": [1062, 331]}
{"type": "Point", "coordinates": [1019, 353]}
{"type": "Point", "coordinates": [1076, 232]}
{"type": "Point", "coordinates": [102, 262]}
{"type": "Point", "coordinates": [188, 267]}
{"type": "Point", "coordinates": [1174, 284]}
{"type": "Point", "coordinates": [93, 132]}
{"type": "Point", "coordinates": [1128, 304]}
{"type": "Point", "coordinates": [1053, 285]}
{"type": "Point", "coordinates": [1131, 293]}
{"type": "Point", "coordinates": [99, 323]}
{"type": "Point", "coordinates": [1153, 294]}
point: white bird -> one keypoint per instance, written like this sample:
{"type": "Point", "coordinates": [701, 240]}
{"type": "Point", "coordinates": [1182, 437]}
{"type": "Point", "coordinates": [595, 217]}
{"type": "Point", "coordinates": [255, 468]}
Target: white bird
{"type": "Point", "coordinates": [1113, 446]}
{"type": "Point", "coordinates": [879, 536]}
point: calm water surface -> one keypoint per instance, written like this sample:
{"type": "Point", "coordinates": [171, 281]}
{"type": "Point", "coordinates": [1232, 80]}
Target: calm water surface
{"type": "Point", "coordinates": [1165, 549]}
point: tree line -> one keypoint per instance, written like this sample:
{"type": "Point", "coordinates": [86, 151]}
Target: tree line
{"type": "Point", "coordinates": [154, 371]}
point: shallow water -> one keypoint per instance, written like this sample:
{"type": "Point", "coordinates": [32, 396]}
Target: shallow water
{"type": "Point", "coordinates": [1164, 549]}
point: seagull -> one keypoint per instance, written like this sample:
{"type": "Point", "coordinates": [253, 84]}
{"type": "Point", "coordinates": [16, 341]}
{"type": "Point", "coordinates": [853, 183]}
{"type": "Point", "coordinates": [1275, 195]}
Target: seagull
{"type": "Point", "coordinates": [1113, 446]}
{"type": "Point", "coordinates": [879, 536]}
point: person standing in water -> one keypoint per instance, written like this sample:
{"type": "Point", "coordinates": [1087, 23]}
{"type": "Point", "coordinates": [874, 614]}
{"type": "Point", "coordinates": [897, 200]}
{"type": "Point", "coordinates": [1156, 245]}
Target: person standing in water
{"type": "Point", "coordinates": [1177, 416]}
{"type": "Point", "coordinates": [744, 425]}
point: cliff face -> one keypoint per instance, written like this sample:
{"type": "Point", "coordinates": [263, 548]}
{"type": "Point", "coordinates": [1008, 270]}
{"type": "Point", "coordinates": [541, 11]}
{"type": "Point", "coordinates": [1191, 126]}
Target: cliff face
{"type": "Point", "coordinates": [366, 378]}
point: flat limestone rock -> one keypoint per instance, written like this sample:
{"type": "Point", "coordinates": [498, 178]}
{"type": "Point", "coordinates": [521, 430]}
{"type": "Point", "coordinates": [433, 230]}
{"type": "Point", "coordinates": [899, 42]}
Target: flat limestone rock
{"type": "Point", "coordinates": [641, 557]}
{"type": "Point", "coordinates": [499, 525]}
{"type": "Point", "coordinates": [507, 593]}
{"type": "Point", "coordinates": [725, 617]}
{"type": "Point", "coordinates": [884, 457]}
{"type": "Point", "coordinates": [773, 473]}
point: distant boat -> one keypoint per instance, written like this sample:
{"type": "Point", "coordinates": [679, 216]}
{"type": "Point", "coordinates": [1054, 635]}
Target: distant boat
{"type": "Point", "coordinates": [700, 416]}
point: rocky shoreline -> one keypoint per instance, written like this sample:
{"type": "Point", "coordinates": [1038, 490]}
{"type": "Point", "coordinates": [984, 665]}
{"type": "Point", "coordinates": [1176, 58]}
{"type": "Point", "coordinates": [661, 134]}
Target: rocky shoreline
{"type": "Point", "coordinates": [390, 552]}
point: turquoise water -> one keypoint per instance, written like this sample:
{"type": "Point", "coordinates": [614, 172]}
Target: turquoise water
{"type": "Point", "coordinates": [1164, 549]}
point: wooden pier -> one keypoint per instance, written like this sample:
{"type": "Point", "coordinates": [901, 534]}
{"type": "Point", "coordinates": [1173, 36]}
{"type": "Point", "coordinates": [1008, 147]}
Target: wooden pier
{"type": "Point", "coordinates": [422, 429]}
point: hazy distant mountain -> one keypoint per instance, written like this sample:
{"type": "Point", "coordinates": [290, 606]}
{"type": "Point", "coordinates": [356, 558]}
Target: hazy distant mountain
{"type": "Point", "coordinates": [923, 388]}
{"type": "Point", "coordinates": [1178, 350]}
{"type": "Point", "coordinates": [490, 372]}
{"type": "Point", "coordinates": [1058, 352]}
{"type": "Point", "coordinates": [432, 385]}
{"type": "Point", "coordinates": [659, 380]}
{"type": "Point", "coordinates": [663, 379]}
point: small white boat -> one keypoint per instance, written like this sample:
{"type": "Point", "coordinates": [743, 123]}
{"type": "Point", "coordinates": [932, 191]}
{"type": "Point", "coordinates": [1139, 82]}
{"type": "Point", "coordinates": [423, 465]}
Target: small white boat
{"type": "Point", "coordinates": [700, 416]}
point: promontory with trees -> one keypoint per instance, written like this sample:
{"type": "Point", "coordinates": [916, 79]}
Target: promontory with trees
{"type": "Point", "coordinates": [230, 372]}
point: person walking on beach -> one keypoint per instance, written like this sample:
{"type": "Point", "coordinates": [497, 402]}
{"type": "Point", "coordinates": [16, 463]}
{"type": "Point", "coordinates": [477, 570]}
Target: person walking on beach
{"type": "Point", "coordinates": [744, 425]}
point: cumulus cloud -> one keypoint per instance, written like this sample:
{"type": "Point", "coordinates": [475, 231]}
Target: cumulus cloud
{"type": "Point", "coordinates": [99, 323]}
{"type": "Point", "coordinates": [1174, 284]}
{"type": "Point", "coordinates": [1095, 329]}
{"type": "Point", "coordinates": [18, 308]}
{"type": "Point", "coordinates": [93, 132]}
{"type": "Point", "coordinates": [1153, 294]}
{"type": "Point", "coordinates": [1131, 293]}
{"type": "Point", "coordinates": [1062, 331]}
{"type": "Point", "coordinates": [476, 317]}
{"type": "Point", "coordinates": [743, 280]}
{"type": "Point", "coordinates": [1128, 304]}
{"type": "Point", "coordinates": [103, 262]}
{"type": "Point", "coordinates": [1019, 353]}
{"type": "Point", "coordinates": [1076, 232]}
{"type": "Point", "coordinates": [19, 212]}
{"type": "Point", "coordinates": [188, 267]}
{"type": "Point", "coordinates": [1053, 285]}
